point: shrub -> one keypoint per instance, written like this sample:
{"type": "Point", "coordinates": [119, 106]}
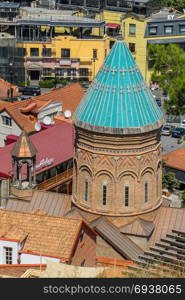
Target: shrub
{"type": "Point", "coordinates": [48, 83]}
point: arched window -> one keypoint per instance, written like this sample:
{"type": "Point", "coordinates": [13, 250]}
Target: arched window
{"type": "Point", "coordinates": [126, 195]}
{"type": "Point", "coordinates": [157, 185]}
{"type": "Point", "coordinates": [104, 194]}
{"type": "Point", "coordinates": [86, 190]}
{"type": "Point", "coordinates": [146, 191]}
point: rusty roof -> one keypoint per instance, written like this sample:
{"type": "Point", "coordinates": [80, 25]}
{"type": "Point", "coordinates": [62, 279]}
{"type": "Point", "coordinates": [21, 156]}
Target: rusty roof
{"type": "Point", "coordinates": [125, 246]}
{"type": "Point", "coordinates": [54, 204]}
{"type": "Point", "coordinates": [138, 227]}
{"type": "Point", "coordinates": [45, 235]}
{"type": "Point", "coordinates": [167, 219]}
{"type": "Point", "coordinates": [24, 148]}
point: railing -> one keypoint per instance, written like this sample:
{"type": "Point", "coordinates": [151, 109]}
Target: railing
{"type": "Point", "coordinates": [56, 180]}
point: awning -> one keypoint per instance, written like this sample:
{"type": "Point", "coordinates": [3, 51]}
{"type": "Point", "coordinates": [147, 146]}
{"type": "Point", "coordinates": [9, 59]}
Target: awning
{"type": "Point", "coordinates": [112, 25]}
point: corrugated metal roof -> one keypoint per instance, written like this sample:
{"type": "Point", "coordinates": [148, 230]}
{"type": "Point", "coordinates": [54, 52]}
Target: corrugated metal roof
{"type": "Point", "coordinates": [138, 227]}
{"type": "Point", "coordinates": [119, 100]}
{"type": "Point", "coordinates": [54, 204]}
{"type": "Point", "coordinates": [120, 242]}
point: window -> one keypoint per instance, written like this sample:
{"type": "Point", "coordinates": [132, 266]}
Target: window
{"type": "Point", "coordinates": [132, 47]}
{"type": "Point", "coordinates": [81, 236]}
{"type": "Point", "coordinates": [82, 263]}
{"type": "Point", "coordinates": [146, 191]}
{"type": "Point", "coordinates": [73, 71]}
{"type": "Point", "coordinates": [7, 121]}
{"type": "Point", "coordinates": [65, 52]}
{"type": "Point", "coordinates": [46, 52]}
{"type": "Point", "coordinates": [46, 72]}
{"type": "Point", "coordinates": [153, 30]}
{"type": "Point", "coordinates": [86, 190]}
{"type": "Point", "coordinates": [168, 29]}
{"type": "Point", "coordinates": [111, 2]}
{"type": "Point", "coordinates": [60, 71]}
{"type": "Point", "coordinates": [182, 28]}
{"type": "Point", "coordinates": [157, 185]}
{"type": "Point", "coordinates": [95, 53]}
{"type": "Point", "coordinates": [126, 195]}
{"type": "Point", "coordinates": [132, 29]}
{"type": "Point", "coordinates": [104, 194]}
{"type": "Point", "coordinates": [34, 51]}
{"type": "Point", "coordinates": [8, 255]}
{"type": "Point", "coordinates": [84, 71]}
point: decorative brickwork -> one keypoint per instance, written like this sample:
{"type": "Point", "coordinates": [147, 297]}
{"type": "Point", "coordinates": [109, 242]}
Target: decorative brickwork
{"type": "Point", "coordinates": [117, 181]}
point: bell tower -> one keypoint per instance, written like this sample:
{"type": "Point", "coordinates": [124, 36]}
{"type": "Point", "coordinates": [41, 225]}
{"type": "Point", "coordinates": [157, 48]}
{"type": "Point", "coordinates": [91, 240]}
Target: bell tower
{"type": "Point", "coordinates": [23, 167]}
{"type": "Point", "coordinates": [117, 160]}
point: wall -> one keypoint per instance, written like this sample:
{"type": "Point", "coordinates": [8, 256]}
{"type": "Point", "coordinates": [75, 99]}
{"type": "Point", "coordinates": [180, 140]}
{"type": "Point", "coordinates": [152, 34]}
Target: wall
{"type": "Point", "coordinates": [103, 249]}
{"type": "Point", "coordinates": [80, 49]}
{"type": "Point", "coordinates": [85, 249]}
{"type": "Point", "coordinates": [13, 245]}
{"type": "Point", "coordinates": [50, 109]}
{"type": "Point", "coordinates": [107, 161]}
{"type": "Point", "coordinates": [6, 130]}
{"type": "Point", "coordinates": [140, 54]}
{"type": "Point", "coordinates": [36, 259]}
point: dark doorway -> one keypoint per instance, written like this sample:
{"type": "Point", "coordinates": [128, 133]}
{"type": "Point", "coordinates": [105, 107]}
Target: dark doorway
{"type": "Point", "coordinates": [34, 75]}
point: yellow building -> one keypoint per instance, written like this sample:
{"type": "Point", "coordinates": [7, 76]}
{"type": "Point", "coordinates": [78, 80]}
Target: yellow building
{"type": "Point", "coordinates": [133, 28]}
{"type": "Point", "coordinates": [65, 57]}
{"type": "Point", "coordinates": [139, 32]}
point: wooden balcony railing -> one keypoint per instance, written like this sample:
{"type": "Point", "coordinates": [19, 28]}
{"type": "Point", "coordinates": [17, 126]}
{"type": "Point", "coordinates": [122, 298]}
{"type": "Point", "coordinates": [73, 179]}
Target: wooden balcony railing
{"type": "Point", "coordinates": [56, 180]}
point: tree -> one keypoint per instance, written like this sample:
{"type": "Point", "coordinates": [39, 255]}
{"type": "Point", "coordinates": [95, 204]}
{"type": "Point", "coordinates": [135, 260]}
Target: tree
{"type": "Point", "coordinates": [169, 71]}
{"type": "Point", "coordinates": [176, 4]}
{"type": "Point", "coordinates": [170, 182]}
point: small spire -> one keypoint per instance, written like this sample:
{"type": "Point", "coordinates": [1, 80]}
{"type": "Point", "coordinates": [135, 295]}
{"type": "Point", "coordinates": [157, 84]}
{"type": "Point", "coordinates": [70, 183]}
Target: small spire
{"type": "Point", "coordinates": [24, 148]}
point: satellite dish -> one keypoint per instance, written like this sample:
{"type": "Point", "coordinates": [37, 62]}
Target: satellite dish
{"type": "Point", "coordinates": [47, 120]}
{"type": "Point", "coordinates": [67, 114]}
{"type": "Point", "coordinates": [37, 126]}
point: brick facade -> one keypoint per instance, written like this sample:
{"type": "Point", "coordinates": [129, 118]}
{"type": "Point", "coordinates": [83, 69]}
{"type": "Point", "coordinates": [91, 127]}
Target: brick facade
{"type": "Point", "coordinates": [85, 251]}
{"type": "Point", "coordinates": [116, 162]}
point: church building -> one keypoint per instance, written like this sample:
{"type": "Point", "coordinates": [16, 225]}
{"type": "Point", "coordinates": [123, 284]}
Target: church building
{"type": "Point", "coordinates": [117, 160]}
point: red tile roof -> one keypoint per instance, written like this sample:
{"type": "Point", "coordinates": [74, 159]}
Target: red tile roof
{"type": "Point", "coordinates": [176, 159]}
{"type": "Point", "coordinates": [69, 96]}
{"type": "Point", "coordinates": [43, 235]}
{"type": "Point", "coordinates": [59, 136]}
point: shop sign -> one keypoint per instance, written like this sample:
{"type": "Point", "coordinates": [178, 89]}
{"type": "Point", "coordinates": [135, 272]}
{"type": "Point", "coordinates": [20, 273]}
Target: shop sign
{"type": "Point", "coordinates": [45, 162]}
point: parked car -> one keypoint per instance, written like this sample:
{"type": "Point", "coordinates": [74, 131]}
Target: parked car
{"type": "Point", "coordinates": [158, 100]}
{"type": "Point", "coordinates": [31, 90]}
{"type": "Point", "coordinates": [167, 129]}
{"type": "Point", "coordinates": [178, 132]}
{"type": "Point", "coordinates": [24, 97]}
{"type": "Point", "coordinates": [183, 123]}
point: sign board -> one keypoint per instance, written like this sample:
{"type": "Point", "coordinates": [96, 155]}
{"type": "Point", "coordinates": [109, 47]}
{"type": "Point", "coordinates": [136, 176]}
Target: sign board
{"type": "Point", "coordinates": [65, 62]}
{"type": "Point", "coordinates": [45, 162]}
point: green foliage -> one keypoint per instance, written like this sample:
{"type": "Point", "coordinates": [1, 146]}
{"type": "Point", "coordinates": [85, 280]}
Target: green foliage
{"type": "Point", "coordinates": [169, 71]}
{"type": "Point", "coordinates": [183, 199]}
{"type": "Point", "coordinates": [170, 182]}
{"type": "Point", "coordinates": [176, 4]}
{"type": "Point", "coordinates": [22, 84]}
{"type": "Point", "coordinates": [47, 83]}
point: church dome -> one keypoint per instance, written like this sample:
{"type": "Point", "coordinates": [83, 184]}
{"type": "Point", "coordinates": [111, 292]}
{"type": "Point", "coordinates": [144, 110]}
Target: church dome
{"type": "Point", "coordinates": [119, 100]}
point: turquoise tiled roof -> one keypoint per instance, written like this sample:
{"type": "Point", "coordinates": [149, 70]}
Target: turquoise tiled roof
{"type": "Point", "coordinates": [118, 100]}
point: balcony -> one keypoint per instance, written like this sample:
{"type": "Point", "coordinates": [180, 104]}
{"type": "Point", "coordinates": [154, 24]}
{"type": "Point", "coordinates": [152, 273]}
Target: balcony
{"type": "Point", "coordinates": [57, 180]}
